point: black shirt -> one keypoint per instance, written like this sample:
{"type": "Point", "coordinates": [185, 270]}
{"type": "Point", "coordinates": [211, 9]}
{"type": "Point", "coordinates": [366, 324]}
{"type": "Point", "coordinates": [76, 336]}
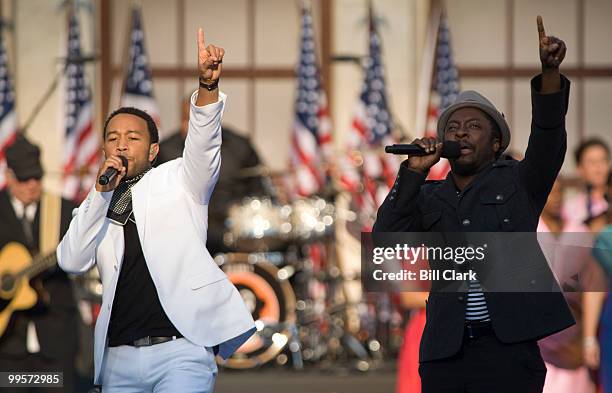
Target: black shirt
{"type": "Point", "coordinates": [136, 311]}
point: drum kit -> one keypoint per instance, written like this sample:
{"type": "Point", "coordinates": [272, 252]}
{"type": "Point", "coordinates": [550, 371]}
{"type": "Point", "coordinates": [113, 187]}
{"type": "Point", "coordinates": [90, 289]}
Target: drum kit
{"type": "Point", "coordinates": [297, 267]}
{"type": "Point", "coordinates": [307, 302]}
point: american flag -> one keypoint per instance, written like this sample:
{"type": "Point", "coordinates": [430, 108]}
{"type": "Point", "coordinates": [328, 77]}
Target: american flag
{"type": "Point", "coordinates": [138, 87]}
{"type": "Point", "coordinates": [81, 144]}
{"type": "Point", "coordinates": [311, 137]}
{"type": "Point", "coordinates": [8, 117]}
{"type": "Point", "coordinates": [444, 89]}
{"type": "Point", "coordinates": [371, 129]}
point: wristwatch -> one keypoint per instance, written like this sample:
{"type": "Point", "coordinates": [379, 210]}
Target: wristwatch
{"type": "Point", "coordinates": [209, 86]}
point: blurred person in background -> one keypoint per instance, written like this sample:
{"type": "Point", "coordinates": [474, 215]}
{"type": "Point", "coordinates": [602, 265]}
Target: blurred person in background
{"type": "Point", "coordinates": [408, 379]}
{"type": "Point", "coordinates": [241, 175]}
{"type": "Point", "coordinates": [43, 338]}
{"type": "Point", "coordinates": [593, 166]}
{"type": "Point", "coordinates": [562, 352]}
{"type": "Point", "coordinates": [597, 306]}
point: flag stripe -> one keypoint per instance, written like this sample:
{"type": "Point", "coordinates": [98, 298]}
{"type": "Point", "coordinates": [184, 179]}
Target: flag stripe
{"type": "Point", "coordinates": [371, 128]}
{"type": "Point", "coordinates": [138, 86]}
{"type": "Point", "coordinates": [311, 133]}
{"type": "Point", "coordinates": [8, 117]}
{"type": "Point", "coordinates": [444, 90]}
{"type": "Point", "coordinates": [81, 144]}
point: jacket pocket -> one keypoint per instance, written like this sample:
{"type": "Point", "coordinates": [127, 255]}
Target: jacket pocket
{"type": "Point", "coordinates": [501, 203]}
{"type": "Point", "coordinates": [204, 279]}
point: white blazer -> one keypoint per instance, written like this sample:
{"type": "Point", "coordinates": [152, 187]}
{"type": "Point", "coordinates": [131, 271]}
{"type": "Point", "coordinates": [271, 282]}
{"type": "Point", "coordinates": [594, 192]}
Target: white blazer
{"type": "Point", "coordinates": [171, 210]}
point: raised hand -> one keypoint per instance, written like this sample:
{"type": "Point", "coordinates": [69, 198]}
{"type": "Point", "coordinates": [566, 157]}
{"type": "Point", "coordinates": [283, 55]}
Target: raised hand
{"type": "Point", "coordinates": [210, 59]}
{"type": "Point", "coordinates": [552, 49]}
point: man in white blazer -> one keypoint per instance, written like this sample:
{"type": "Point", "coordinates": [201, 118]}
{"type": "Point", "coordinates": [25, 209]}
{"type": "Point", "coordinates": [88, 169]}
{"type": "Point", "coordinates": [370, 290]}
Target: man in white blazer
{"type": "Point", "coordinates": [167, 308]}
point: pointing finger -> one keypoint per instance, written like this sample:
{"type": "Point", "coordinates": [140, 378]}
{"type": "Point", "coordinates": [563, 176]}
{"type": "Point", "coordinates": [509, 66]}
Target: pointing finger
{"type": "Point", "coordinates": [201, 45]}
{"type": "Point", "coordinates": [541, 31]}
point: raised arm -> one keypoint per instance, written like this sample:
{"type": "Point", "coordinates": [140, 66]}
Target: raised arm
{"type": "Point", "coordinates": [548, 139]}
{"type": "Point", "coordinates": [552, 53]}
{"type": "Point", "coordinates": [202, 155]}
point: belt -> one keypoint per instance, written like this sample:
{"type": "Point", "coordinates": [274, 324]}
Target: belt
{"type": "Point", "coordinates": [474, 330]}
{"type": "Point", "coordinates": [152, 340]}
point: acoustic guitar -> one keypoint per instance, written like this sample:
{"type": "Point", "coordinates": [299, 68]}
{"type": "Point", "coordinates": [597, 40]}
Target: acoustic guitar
{"type": "Point", "coordinates": [17, 267]}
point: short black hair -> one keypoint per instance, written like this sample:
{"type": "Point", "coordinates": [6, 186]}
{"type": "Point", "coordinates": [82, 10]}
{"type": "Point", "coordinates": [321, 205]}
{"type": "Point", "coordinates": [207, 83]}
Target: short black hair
{"type": "Point", "coordinates": [584, 145]}
{"type": "Point", "coordinates": [151, 126]}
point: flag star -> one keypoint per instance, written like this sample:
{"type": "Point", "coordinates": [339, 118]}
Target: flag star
{"type": "Point", "coordinates": [309, 131]}
{"type": "Point", "coordinates": [138, 81]}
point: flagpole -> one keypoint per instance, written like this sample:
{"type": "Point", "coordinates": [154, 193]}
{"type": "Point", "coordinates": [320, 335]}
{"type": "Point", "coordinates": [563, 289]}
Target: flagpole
{"type": "Point", "coordinates": [427, 68]}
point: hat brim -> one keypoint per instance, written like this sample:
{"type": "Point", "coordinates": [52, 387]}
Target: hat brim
{"type": "Point", "coordinates": [25, 174]}
{"type": "Point", "coordinates": [495, 115]}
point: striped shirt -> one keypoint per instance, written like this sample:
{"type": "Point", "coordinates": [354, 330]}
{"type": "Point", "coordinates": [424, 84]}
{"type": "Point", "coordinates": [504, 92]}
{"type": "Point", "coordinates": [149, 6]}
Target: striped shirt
{"type": "Point", "coordinates": [476, 305]}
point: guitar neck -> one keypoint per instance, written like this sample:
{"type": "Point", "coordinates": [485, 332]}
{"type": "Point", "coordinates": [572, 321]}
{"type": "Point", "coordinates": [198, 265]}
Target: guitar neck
{"type": "Point", "coordinates": [40, 264]}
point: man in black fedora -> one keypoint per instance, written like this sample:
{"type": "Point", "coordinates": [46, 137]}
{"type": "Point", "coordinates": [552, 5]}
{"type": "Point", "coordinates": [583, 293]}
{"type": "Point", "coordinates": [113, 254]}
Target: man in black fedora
{"type": "Point", "coordinates": [486, 341]}
{"type": "Point", "coordinates": [43, 338]}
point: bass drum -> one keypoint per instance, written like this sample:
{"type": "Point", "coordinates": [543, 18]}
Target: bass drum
{"type": "Point", "coordinates": [268, 295]}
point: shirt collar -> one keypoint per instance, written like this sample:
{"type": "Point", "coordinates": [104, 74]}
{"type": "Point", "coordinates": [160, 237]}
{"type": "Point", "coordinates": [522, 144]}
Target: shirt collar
{"type": "Point", "coordinates": [18, 207]}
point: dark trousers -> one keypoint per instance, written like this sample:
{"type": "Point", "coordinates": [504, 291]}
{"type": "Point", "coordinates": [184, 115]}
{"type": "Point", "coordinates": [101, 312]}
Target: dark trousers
{"type": "Point", "coordinates": [51, 358]}
{"type": "Point", "coordinates": [486, 365]}
{"type": "Point", "coordinates": [39, 363]}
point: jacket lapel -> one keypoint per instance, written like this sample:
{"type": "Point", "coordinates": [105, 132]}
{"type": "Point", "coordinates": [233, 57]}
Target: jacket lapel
{"type": "Point", "coordinates": [116, 233]}
{"type": "Point", "coordinates": [448, 191]}
{"type": "Point", "coordinates": [8, 213]}
{"type": "Point", "coordinates": [140, 198]}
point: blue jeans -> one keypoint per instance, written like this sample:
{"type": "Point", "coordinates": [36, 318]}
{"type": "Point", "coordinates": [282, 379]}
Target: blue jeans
{"type": "Point", "coordinates": [173, 366]}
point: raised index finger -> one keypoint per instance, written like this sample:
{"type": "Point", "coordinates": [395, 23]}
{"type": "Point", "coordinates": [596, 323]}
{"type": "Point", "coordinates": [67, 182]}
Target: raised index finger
{"type": "Point", "coordinates": [201, 45]}
{"type": "Point", "coordinates": [541, 32]}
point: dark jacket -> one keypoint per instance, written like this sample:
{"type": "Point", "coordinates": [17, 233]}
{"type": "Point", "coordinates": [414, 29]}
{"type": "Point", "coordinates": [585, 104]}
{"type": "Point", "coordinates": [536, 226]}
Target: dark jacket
{"type": "Point", "coordinates": [507, 196]}
{"type": "Point", "coordinates": [60, 315]}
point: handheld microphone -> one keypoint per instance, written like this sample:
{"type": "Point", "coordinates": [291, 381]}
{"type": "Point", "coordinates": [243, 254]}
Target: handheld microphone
{"type": "Point", "coordinates": [450, 149]}
{"type": "Point", "coordinates": [110, 173]}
